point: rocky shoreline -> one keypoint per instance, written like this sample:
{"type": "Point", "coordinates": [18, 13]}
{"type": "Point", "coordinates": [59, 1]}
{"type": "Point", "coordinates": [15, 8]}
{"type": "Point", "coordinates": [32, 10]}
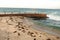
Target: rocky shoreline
{"type": "Point", "coordinates": [19, 28]}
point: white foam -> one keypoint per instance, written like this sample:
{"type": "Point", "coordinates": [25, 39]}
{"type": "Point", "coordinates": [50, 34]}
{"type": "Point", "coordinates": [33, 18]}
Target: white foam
{"type": "Point", "coordinates": [54, 17]}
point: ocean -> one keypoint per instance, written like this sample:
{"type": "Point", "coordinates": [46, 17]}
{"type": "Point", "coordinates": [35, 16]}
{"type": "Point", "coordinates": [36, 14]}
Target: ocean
{"type": "Point", "coordinates": [53, 14]}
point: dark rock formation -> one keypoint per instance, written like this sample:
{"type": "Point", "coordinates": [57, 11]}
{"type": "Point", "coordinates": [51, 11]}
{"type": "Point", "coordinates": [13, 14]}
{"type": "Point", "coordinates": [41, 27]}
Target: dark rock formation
{"type": "Point", "coordinates": [35, 15]}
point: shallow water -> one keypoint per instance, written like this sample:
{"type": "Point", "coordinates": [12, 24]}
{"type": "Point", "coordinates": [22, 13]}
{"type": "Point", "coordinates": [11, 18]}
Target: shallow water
{"type": "Point", "coordinates": [48, 22]}
{"type": "Point", "coordinates": [47, 28]}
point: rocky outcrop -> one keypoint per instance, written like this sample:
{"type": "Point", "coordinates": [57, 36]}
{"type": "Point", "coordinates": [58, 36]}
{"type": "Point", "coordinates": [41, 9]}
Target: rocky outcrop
{"type": "Point", "coordinates": [36, 15]}
{"type": "Point", "coordinates": [27, 15]}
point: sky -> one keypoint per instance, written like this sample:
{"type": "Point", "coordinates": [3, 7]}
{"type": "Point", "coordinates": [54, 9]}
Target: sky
{"type": "Point", "coordinates": [48, 4]}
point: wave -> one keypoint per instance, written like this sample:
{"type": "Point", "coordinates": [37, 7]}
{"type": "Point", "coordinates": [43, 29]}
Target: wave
{"type": "Point", "coordinates": [54, 16]}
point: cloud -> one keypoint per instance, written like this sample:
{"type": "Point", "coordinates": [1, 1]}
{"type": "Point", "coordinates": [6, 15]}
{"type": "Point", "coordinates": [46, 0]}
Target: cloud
{"type": "Point", "coordinates": [51, 4]}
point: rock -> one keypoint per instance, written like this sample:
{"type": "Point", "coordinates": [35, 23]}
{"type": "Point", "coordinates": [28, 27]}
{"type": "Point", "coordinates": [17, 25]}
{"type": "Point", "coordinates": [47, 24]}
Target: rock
{"type": "Point", "coordinates": [35, 15]}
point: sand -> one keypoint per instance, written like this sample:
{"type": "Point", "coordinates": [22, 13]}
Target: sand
{"type": "Point", "coordinates": [19, 28]}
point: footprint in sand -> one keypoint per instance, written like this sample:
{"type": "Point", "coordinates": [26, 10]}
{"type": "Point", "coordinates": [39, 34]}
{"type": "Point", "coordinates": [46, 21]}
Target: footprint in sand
{"type": "Point", "coordinates": [48, 39]}
{"type": "Point", "coordinates": [34, 38]}
{"type": "Point", "coordinates": [58, 37]}
{"type": "Point", "coordinates": [14, 31]}
{"type": "Point", "coordinates": [23, 31]}
{"type": "Point", "coordinates": [31, 34]}
{"type": "Point", "coordinates": [18, 34]}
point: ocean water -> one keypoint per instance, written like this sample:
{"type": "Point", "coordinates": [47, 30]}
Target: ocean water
{"type": "Point", "coordinates": [53, 14]}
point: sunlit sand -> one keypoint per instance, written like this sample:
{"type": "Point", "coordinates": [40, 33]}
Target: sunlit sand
{"type": "Point", "coordinates": [19, 28]}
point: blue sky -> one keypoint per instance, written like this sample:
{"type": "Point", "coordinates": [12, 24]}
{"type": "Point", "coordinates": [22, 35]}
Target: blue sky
{"type": "Point", "coordinates": [49, 4]}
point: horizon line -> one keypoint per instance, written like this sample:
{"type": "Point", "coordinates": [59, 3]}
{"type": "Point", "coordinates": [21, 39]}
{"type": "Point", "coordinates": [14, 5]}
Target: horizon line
{"type": "Point", "coordinates": [28, 8]}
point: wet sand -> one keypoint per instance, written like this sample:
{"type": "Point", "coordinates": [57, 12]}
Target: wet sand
{"type": "Point", "coordinates": [44, 28]}
{"type": "Point", "coordinates": [20, 28]}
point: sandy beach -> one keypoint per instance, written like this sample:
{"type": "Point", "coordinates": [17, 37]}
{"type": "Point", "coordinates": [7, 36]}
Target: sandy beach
{"type": "Point", "coordinates": [20, 28]}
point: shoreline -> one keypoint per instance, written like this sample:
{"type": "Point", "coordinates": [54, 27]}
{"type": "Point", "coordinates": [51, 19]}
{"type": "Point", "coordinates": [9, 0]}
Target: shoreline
{"type": "Point", "coordinates": [45, 29]}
